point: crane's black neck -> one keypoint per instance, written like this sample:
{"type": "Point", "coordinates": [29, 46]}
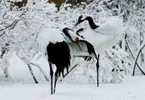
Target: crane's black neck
{"type": "Point", "coordinates": [90, 21]}
{"type": "Point", "coordinates": [65, 31]}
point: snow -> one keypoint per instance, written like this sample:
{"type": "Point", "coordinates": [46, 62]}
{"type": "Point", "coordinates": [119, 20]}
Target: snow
{"type": "Point", "coordinates": [111, 26]}
{"type": "Point", "coordinates": [132, 88]}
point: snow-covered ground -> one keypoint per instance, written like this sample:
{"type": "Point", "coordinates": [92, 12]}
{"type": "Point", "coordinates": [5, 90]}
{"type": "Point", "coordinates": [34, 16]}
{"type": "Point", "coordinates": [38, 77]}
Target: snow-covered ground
{"type": "Point", "coordinates": [132, 88]}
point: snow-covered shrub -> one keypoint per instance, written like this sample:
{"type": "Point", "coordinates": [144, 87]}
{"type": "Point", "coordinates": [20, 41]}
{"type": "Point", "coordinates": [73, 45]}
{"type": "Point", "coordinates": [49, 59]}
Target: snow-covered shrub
{"type": "Point", "coordinates": [115, 65]}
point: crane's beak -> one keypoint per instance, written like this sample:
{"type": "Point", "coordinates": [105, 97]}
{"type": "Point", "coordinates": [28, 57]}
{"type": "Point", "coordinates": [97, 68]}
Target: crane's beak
{"type": "Point", "coordinates": [78, 31]}
{"type": "Point", "coordinates": [79, 20]}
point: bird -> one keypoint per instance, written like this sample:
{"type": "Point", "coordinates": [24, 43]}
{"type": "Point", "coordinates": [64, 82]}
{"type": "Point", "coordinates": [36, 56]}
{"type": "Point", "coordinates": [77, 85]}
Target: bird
{"type": "Point", "coordinates": [102, 36]}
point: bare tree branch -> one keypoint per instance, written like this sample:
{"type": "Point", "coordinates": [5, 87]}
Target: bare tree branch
{"type": "Point", "coordinates": [127, 44]}
{"type": "Point", "coordinates": [138, 54]}
{"type": "Point", "coordinates": [45, 76]}
{"type": "Point", "coordinates": [13, 24]}
{"type": "Point", "coordinates": [30, 69]}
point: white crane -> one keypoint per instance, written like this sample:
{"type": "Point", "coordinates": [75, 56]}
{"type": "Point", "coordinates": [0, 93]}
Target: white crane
{"type": "Point", "coordinates": [102, 36]}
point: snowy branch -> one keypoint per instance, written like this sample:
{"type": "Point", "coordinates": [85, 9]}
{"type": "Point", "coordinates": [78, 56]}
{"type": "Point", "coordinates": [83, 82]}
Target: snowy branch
{"type": "Point", "coordinates": [45, 76]}
{"type": "Point", "coordinates": [127, 44]}
{"type": "Point", "coordinates": [138, 54]}
{"type": "Point", "coordinates": [13, 24]}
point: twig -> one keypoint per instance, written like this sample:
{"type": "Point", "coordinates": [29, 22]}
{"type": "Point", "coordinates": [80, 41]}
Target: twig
{"type": "Point", "coordinates": [13, 24]}
{"type": "Point", "coordinates": [5, 3]}
{"type": "Point", "coordinates": [134, 57]}
{"type": "Point", "coordinates": [46, 78]}
{"type": "Point", "coordinates": [9, 26]}
{"type": "Point", "coordinates": [140, 50]}
{"type": "Point", "coordinates": [95, 3]}
{"type": "Point", "coordinates": [2, 34]}
{"type": "Point", "coordinates": [30, 69]}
